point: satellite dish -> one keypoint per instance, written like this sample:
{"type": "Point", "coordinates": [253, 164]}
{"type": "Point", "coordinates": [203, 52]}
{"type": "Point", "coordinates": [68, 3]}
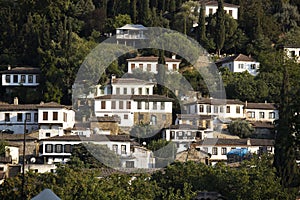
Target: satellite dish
{"type": "Point", "coordinates": [32, 160]}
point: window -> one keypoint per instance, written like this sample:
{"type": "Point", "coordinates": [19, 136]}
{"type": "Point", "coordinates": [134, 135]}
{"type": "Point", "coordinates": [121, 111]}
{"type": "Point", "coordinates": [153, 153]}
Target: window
{"type": "Point", "coordinates": [148, 67]}
{"type": "Point", "coordinates": [147, 105]}
{"type": "Point", "coordinates": [252, 66]}
{"type": "Point", "coordinates": [201, 108]}
{"type": "Point", "coordinates": [113, 105]}
{"type": "Point", "coordinates": [261, 115]}
{"type": "Point", "coordinates": [117, 90]}
{"type": "Point", "coordinates": [215, 150]}
{"type": "Point", "coordinates": [28, 117]}
{"type": "Point", "coordinates": [241, 66]}
{"type": "Point", "coordinates": [210, 11]}
{"type": "Point", "coordinates": [129, 164]}
{"type": "Point", "coordinates": [141, 117]}
{"type": "Point", "coordinates": [125, 116]}
{"type": "Point", "coordinates": [67, 148]}
{"type": "Point", "coordinates": [292, 53]}
{"type": "Point", "coordinates": [238, 109]}
{"type": "Point", "coordinates": [230, 12]}
{"type": "Point", "coordinates": [139, 106]}
{"type": "Point", "coordinates": [45, 115]}
{"type": "Point", "coordinates": [154, 105]}
{"type": "Point", "coordinates": [37, 78]}
{"type": "Point", "coordinates": [147, 91]}
{"type": "Point", "coordinates": [164, 117]}
{"type": "Point", "coordinates": [49, 148]}
{"type": "Point", "coordinates": [140, 90]}
{"type": "Point", "coordinates": [271, 115]}
{"type": "Point", "coordinates": [128, 104]}
{"type": "Point", "coordinates": [55, 116]}
{"type": "Point", "coordinates": [7, 78]}
{"type": "Point", "coordinates": [58, 148]}
{"type": "Point", "coordinates": [221, 109]}
{"type": "Point", "coordinates": [132, 66]}
{"type": "Point", "coordinates": [153, 120]}
{"type": "Point", "coordinates": [162, 105]}
{"type": "Point", "coordinates": [141, 66]}
{"type": "Point", "coordinates": [123, 149]}
{"type": "Point", "coordinates": [224, 151]}
{"type": "Point", "coordinates": [65, 117]}
{"type": "Point", "coordinates": [30, 79]}
{"type": "Point", "coordinates": [7, 118]}
{"type": "Point", "coordinates": [125, 91]}
{"type": "Point", "coordinates": [120, 104]}
{"type": "Point", "coordinates": [48, 134]}
{"type": "Point", "coordinates": [208, 109]}
{"type": "Point", "coordinates": [132, 90]}
{"type": "Point", "coordinates": [15, 78]}
{"type": "Point", "coordinates": [215, 109]}
{"type": "Point", "coordinates": [251, 114]}
{"type": "Point", "coordinates": [22, 78]}
{"type": "Point", "coordinates": [227, 109]}
{"type": "Point", "coordinates": [174, 67]}
{"type": "Point", "coordinates": [103, 104]}
{"type": "Point", "coordinates": [35, 117]}
{"type": "Point", "coordinates": [20, 117]}
{"type": "Point", "coordinates": [115, 148]}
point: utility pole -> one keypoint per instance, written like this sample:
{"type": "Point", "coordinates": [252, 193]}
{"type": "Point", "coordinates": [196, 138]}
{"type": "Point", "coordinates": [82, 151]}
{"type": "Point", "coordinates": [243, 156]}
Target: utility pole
{"type": "Point", "coordinates": [23, 170]}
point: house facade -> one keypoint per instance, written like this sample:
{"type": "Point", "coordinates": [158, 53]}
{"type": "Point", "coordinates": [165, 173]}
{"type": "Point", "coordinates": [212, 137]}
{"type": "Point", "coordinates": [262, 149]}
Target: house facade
{"type": "Point", "coordinates": [131, 34]}
{"type": "Point", "coordinates": [239, 63]}
{"type": "Point", "coordinates": [293, 52]}
{"type": "Point", "coordinates": [263, 112]}
{"type": "Point", "coordinates": [150, 64]}
{"type": "Point", "coordinates": [212, 6]}
{"type": "Point", "coordinates": [20, 76]}
{"type": "Point", "coordinates": [133, 101]}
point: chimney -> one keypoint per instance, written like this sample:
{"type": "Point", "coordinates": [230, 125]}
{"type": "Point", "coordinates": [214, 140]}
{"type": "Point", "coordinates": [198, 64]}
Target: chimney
{"type": "Point", "coordinates": [8, 67]}
{"type": "Point", "coordinates": [174, 56]}
{"type": "Point", "coordinates": [246, 104]}
{"type": "Point", "coordinates": [16, 101]}
{"type": "Point", "coordinates": [113, 78]}
{"type": "Point", "coordinates": [266, 101]}
{"type": "Point", "coordinates": [248, 142]}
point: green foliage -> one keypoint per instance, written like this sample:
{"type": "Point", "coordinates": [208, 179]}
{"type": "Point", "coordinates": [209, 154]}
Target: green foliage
{"type": "Point", "coordinates": [220, 27]}
{"type": "Point", "coordinates": [241, 128]}
{"type": "Point", "coordinates": [3, 143]}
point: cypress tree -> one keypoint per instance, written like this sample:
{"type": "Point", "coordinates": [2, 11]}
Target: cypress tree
{"type": "Point", "coordinates": [285, 160]}
{"type": "Point", "coordinates": [133, 11]}
{"type": "Point", "coordinates": [161, 72]}
{"type": "Point", "coordinates": [220, 32]}
{"type": "Point", "coordinates": [201, 36]}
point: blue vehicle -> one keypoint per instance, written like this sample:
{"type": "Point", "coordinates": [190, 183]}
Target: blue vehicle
{"type": "Point", "coordinates": [237, 155]}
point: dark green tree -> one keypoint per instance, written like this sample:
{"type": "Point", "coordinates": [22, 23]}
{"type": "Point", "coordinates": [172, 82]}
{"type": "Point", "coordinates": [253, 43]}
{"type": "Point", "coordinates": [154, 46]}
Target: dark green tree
{"type": "Point", "coordinates": [220, 27]}
{"type": "Point", "coordinates": [241, 128]}
{"type": "Point", "coordinates": [201, 30]}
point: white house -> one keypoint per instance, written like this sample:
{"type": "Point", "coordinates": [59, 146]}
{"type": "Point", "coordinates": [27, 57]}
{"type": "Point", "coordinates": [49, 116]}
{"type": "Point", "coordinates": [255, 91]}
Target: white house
{"type": "Point", "coordinates": [293, 52]}
{"type": "Point", "coordinates": [212, 6]}
{"type": "Point", "coordinates": [133, 101]}
{"type": "Point", "coordinates": [20, 76]}
{"type": "Point", "coordinates": [265, 112]}
{"type": "Point", "coordinates": [219, 147]}
{"type": "Point", "coordinates": [58, 149]}
{"type": "Point", "coordinates": [150, 64]}
{"type": "Point", "coordinates": [54, 118]}
{"type": "Point", "coordinates": [239, 63]}
{"type": "Point", "coordinates": [13, 116]}
{"type": "Point", "coordinates": [131, 34]}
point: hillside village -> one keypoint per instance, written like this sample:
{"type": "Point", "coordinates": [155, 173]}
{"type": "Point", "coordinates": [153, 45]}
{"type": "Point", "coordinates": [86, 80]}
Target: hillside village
{"type": "Point", "coordinates": [141, 115]}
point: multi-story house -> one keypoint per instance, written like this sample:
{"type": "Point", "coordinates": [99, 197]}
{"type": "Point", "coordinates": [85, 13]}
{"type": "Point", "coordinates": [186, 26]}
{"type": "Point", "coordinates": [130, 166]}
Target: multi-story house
{"type": "Point", "coordinates": [150, 64]}
{"type": "Point", "coordinates": [58, 149]}
{"type": "Point", "coordinates": [133, 101]}
{"type": "Point", "coordinates": [54, 118]}
{"type": "Point", "coordinates": [212, 6]}
{"type": "Point", "coordinates": [239, 63]}
{"type": "Point", "coordinates": [263, 112]}
{"type": "Point", "coordinates": [20, 76]}
{"type": "Point", "coordinates": [49, 118]}
{"type": "Point", "coordinates": [219, 147]}
{"type": "Point", "coordinates": [131, 34]}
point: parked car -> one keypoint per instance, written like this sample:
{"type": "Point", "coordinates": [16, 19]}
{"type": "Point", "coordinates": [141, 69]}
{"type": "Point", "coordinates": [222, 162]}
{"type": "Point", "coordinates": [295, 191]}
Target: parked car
{"type": "Point", "coordinates": [7, 131]}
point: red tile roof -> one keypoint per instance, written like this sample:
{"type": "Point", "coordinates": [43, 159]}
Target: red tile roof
{"type": "Point", "coordinates": [151, 59]}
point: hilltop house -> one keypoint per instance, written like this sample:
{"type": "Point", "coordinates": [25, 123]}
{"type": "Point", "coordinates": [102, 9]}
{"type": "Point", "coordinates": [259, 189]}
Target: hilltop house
{"type": "Point", "coordinates": [150, 64]}
{"type": "Point", "coordinates": [133, 101]}
{"type": "Point", "coordinates": [131, 34]}
{"type": "Point", "coordinates": [20, 76]}
{"type": "Point", "coordinates": [212, 6]}
{"type": "Point", "coordinates": [293, 52]}
{"type": "Point", "coordinates": [239, 63]}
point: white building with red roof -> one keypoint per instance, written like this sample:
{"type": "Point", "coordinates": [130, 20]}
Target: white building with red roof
{"type": "Point", "coordinates": [212, 6]}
